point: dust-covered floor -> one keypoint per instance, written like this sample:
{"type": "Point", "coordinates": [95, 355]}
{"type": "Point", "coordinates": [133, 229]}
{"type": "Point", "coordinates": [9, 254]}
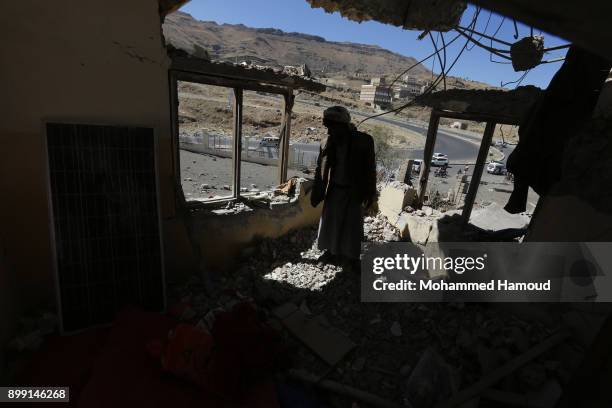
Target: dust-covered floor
{"type": "Point", "coordinates": [470, 339]}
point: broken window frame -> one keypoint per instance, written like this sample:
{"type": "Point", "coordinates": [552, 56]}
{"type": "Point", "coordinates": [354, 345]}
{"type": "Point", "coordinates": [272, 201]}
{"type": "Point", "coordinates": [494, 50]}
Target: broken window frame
{"type": "Point", "coordinates": [238, 86]}
{"type": "Point", "coordinates": [432, 131]}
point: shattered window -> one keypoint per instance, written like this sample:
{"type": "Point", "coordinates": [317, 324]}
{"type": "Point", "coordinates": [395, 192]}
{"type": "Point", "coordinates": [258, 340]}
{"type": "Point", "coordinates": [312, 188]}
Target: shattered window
{"type": "Point", "coordinates": [261, 141]}
{"type": "Point", "coordinates": [452, 165]}
{"type": "Point", "coordinates": [205, 117]}
{"type": "Point", "coordinates": [307, 131]}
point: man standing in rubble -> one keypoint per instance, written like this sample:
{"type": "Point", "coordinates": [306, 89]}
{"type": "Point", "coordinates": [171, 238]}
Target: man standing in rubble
{"type": "Point", "coordinates": [345, 179]}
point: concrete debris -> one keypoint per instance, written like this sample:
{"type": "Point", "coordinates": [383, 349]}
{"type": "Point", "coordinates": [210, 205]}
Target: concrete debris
{"type": "Point", "coordinates": [396, 329]}
{"type": "Point", "coordinates": [358, 364]}
{"type": "Point", "coordinates": [527, 53]}
{"type": "Point", "coordinates": [515, 104]}
{"type": "Point", "coordinates": [393, 198]}
{"type": "Point", "coordinates": [532, 375]}
{"type": "Point", "coordinates": [441, 15]}
{"type": "Point", "coordinates": [405, 370]}
{"type": "Point", "coordinates": [328, 343]}
{"type": "Point", "coordinates": [304, 308]}
{"type": "Point", "coordinates": [378, 229]}
{"type": "Point", "coordinates": [494, 217]}
{"type": "Point", "coordinates": [27, 342]}
{"type": "Point", "coordinates": [232, 208]}
{"type": "Point", "coordinates": [33, 331]}
{"type": "Point", "coordinates": [431, 381]}
{"type": "Point", "coordinates": [324, 298]}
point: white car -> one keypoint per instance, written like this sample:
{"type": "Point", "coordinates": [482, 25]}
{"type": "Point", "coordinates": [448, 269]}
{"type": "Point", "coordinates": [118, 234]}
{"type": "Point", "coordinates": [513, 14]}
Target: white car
{"type": "Point", "coordinates": [496, 168]}
{"type": "Point", "coordinates": [439, 159]}
{"type": "Point", "coordinates": [416, 166]}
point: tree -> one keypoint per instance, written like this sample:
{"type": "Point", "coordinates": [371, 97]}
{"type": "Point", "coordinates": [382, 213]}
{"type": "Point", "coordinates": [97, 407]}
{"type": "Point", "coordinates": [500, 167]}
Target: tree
{"type": "Point", "coordinates": [385, 154]}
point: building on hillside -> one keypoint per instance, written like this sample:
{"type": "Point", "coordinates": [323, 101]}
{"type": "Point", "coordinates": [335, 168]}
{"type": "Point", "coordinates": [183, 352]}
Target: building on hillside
{"type": "Point", "coordinates": [412, 85]}
{"type": "Point", "coordinates": [377, 81]}
{"type": "Point", "coordinates": [376, 95]}
{"type": "Point", "coordinates": [401, 92]}
{"type": "Point", "coordinates": [299, 70]}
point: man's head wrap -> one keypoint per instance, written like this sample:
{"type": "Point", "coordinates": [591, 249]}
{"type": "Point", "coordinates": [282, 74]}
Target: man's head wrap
{"type": "Point", "coordinates": [337, 114]}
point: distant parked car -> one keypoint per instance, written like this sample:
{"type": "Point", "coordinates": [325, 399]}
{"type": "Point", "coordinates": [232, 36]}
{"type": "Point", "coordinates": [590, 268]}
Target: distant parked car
{"type": "Point", "coordinates": [496, 168]}
{"type": "Point", "coordinates": [416, 166]}
{"type": "Point", "coordinates": [439, 159]}
{"type": "Point", "coordinates": [501, 144]}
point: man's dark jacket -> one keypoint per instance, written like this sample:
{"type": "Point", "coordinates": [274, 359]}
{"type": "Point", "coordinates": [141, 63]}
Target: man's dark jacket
{"type": "Point", "coordinates": [361, 160]}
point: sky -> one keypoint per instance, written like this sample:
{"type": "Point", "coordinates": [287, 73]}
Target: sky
{"type": "Point", "coordinates": [298, 16]}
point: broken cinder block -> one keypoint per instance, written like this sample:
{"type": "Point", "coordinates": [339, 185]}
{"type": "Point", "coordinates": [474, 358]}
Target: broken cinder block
{"type": "Point", "coordinates": [394, 198]}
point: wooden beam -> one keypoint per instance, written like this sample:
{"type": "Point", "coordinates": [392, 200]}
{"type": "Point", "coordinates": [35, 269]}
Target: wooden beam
{"type": "Point", "coordinates": [478, 169]}
{"type": "Point", "coordinates": [237, 147]}
{"type": "Point", "coordinates": [430, 143]}
{"type": "Point", "coordinates": [286, 134]}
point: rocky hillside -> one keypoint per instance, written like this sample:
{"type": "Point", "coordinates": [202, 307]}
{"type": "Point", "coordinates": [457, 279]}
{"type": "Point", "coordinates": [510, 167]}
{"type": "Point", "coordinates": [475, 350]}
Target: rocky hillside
{"type": "Point", "coordinates": [269, 46]}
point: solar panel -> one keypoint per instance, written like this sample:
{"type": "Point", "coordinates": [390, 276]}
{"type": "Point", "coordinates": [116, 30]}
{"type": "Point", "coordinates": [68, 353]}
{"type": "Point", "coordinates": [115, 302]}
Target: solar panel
{"type": "Point", "coordinates": [106, 225]}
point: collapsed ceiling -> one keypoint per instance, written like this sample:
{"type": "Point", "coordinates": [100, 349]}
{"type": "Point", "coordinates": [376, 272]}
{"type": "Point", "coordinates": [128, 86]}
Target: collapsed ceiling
{"type": "Point", "coordinates": [438, 15]}
{"type": "Point", "coordinates": [168, 6]}
{"type": "Point", "coordinates": [584, 24]}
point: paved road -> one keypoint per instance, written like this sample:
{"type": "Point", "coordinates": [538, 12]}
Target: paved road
{"type": "Point", "coordinates": [459, 147]}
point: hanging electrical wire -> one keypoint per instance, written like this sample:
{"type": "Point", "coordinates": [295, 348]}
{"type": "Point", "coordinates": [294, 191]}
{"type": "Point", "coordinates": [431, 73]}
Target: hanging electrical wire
{"type": "Point", "coordinates": [442, 64]}
{"type": "Point", "coordinates": [500, 52]}
{"type": "Point", "coordinates": [484, 35]}
{"type": "Point", "coordinates": [435, 83]}
{"type": "Point", "coordinates": [495, 51]}
{"type": "Point", "coordinates": [517, 82]}
{"type": "Point", "coordinates": [421, 61]}
{"type": "Point", "coordinates": [444, 52]}
{"type": "Point", "coordinates": [472, 25]}
{"type": "Point", "coordinates": [484, 31]}
{"type": "Point", "coordinates": [492, 38]}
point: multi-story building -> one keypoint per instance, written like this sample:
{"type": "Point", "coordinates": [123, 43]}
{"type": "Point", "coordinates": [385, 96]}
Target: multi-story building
{"type": "Point", "coordinates": [401, 92]}
{"type": "Point", "coordinates": [412, 85]}
{"type": "Point", "coordinates": [378, 81]}
{"type": "Point", "coordinates": [376, 93]}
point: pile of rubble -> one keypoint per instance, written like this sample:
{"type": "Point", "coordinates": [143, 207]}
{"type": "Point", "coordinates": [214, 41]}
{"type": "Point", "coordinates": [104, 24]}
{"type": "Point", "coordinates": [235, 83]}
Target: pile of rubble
{"type": "Point", "coordinates": [378, 229]}
{"type": "Point", "coordinates": [389, 349]}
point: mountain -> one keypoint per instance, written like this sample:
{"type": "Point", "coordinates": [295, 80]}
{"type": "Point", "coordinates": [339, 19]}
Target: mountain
{"type": "Point", "coordinates": [270, 46]}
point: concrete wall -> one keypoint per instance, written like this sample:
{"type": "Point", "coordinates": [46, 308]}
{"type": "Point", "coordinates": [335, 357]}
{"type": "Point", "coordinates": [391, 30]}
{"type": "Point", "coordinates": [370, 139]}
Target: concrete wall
{"type": "Point", "coordinates": [222, 238]}
{"type": "Point", "coordinates": [101, 62]}
{"type": "Point", "coordinates": [89, 61]}
{"type": "Point", "coordinates": [579, 207]}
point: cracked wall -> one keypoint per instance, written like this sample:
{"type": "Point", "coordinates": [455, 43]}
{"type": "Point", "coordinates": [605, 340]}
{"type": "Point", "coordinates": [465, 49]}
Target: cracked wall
{"type": "Point", "coordinates": [91, 61]}
{"type": "Point", "coordinates": [235, 233]}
